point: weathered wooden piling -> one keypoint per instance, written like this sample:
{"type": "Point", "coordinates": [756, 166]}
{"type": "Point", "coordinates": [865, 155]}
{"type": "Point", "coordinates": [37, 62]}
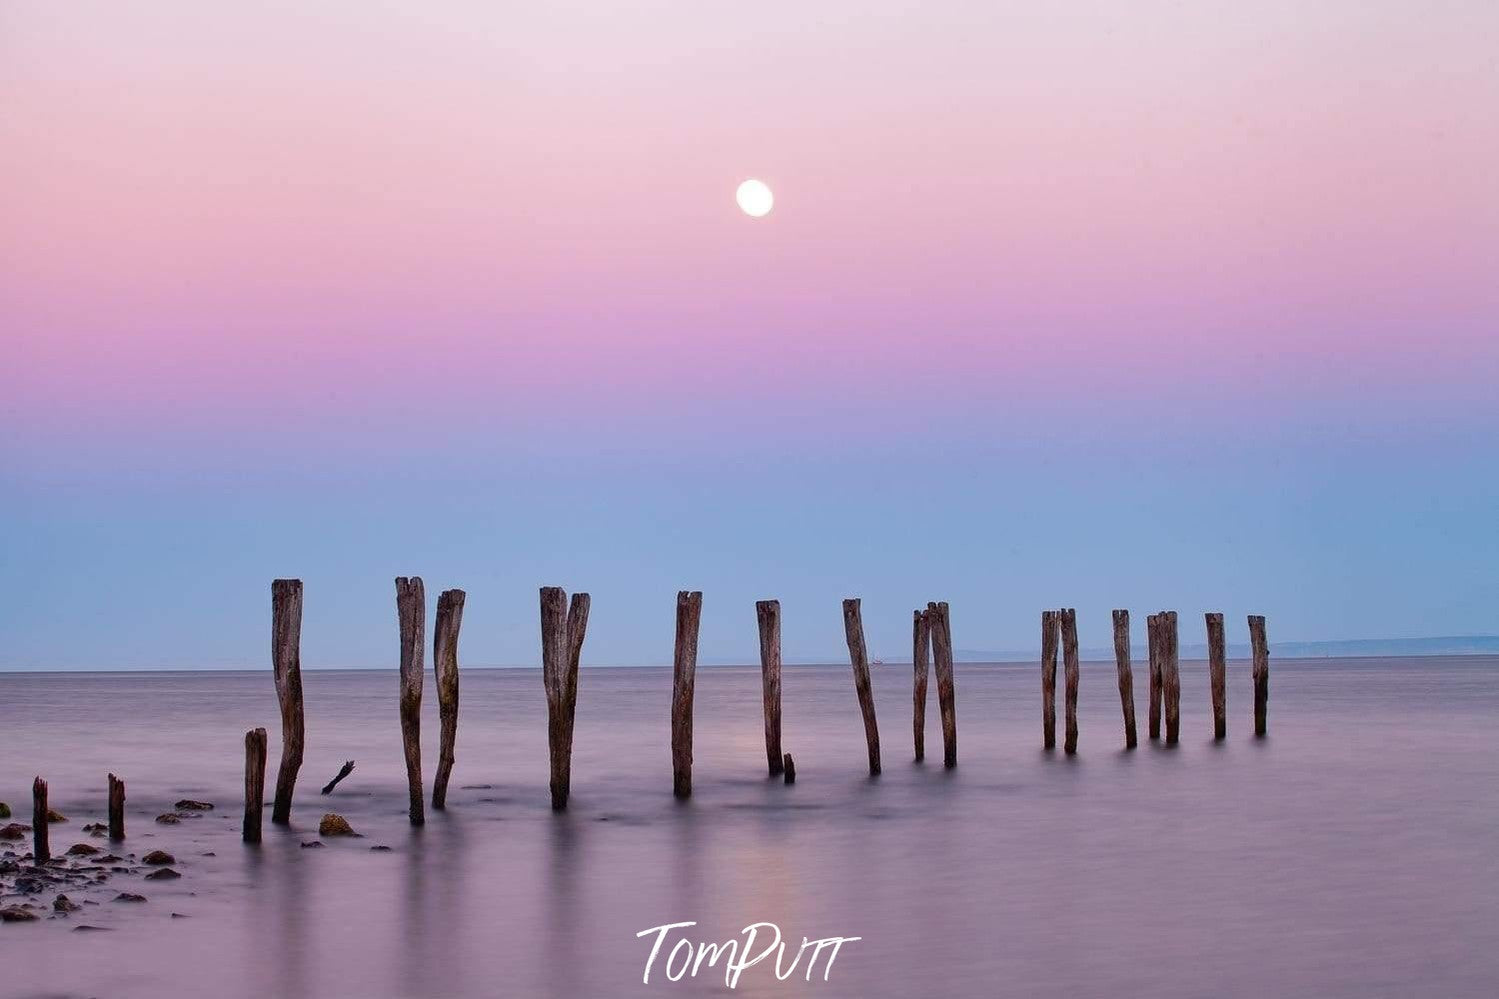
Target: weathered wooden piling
{"type": "Point", "coordinates": [1171, 690]}
{"type": "Point", "coordinates": [684, 676]}
{"type": "Point", "coordinates": [768, 615]}
{"type": "Point", "coordinates": [1260, 650]}
{"type": "Point", "coordinates": [343, 772]}
{"type": "Point", "coordinates": [788, 767]}
{"type": "Point", "coordinates": [411, 613]}
{"type": "Point", "coordinates": [578, 606]}
{"type": "Point", "coordinates": [853, 627]}
{"type": "Point", "coordinates": [41, 852]}
{"type": "Point", "coordinates": [445, 664]}
{"type": "Point", "coordinates": [1048, 679]}
{"type": "Point", "coordinates": [940, 622]}
{"type": "Point", "coordinates": [255, 744]}
{"type": "Point", "coordinates": [921, 643]}
{"type": "Point", "coordinates": [1218, 674]}
{"type": "Point", "coordinates": [1126, 675]}
{"type": "Point", "coordinates": [286, 663]}
{"type": "Point", "coordinates": [1153, 644]}
{"type": "Point", "coordinates": [563, 628]}
{"type": "Point", "coordinates": [116, 809]}
{"type": "Point", "coordinates": [1068, 619]}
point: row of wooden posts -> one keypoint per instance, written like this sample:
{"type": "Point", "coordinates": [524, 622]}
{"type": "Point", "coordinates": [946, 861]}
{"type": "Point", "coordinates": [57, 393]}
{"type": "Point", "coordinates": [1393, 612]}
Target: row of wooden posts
{"type": "Point", "coordinates": [564, 624]}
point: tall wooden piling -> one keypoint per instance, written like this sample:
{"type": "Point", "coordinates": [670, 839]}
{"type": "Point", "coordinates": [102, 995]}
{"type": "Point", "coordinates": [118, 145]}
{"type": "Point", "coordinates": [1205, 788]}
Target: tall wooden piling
{"type": "Point", "coordinates": [921, 643]}
{"type": "Point", "coordinates": [445, 664]}
{"type": "Point", "coordinates": [1171, 690]}
{"type": "Point", "coordinates": [853, 628]}
{"type": "Point", "coordinates": [768, 615]}
{"type": "Point", "coordinates": [1260, 650]}
{"type": "Point", "coordinates": [578, 606]}
{"type": "Point", "coordinates": [41, 852]}
{"type": "Point", "coordinates": [563, 628]}
{"type": "Point", "coordinates": [286, 663]}
{"type": "Point", "coordinates": [1153, 644]}
{"type": "Point", "coordinates": [1068, 619]}
{"type": "Point", "coordinates": [116, 809]}
{"type": "Point", "coordinates": [1048, 679]}
{"type": "Point", "coordinates": [254, 784]}
{"type": "Point", "coordinates": [1218, 674]}
{"type": "Point", "coordinates": [940, 622]}
{"type": "Point", "coordinates": [1126, 675]}
{"type": "Point", "coordinates": [684, 676]}
{"type": "Point", "coordinates": [411, 613]}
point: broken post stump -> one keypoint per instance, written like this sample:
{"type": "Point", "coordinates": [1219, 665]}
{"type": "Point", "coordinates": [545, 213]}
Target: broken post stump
{"type": "Point", "coordinates": [116, 809]}
{"type": "Point", "coordinates": [563, 628]}
{"type": "Point", "coordinates": [940, 626]}
{"type": "Point", "coordinates": [343, 772]}
{"type": "Point", "coordinates": [853, 627]}
{"type": "Point", "coordinates": [41, 852]}
{"type": "Point", "coordinates": [1260, 650]}
{"type": "Point", "coordinates": [768, 616]}
{"type": "Point", "coordinates": [683, 678]}
{"type": "Point", "coordinates": [1153, 643]}
{"type": "Point", "coordinates": [1218, 674]}
{"type": "Point", "coordinates": [1068, 619]}
{"type": "Point", "coordinates": [255, 745]}
{"type": "Point", "coordinates": [788, 767]}
{"type": "Point", "coordinates": [921, 643]}
{"type": "Point", "coordinates": [286, 663]}
{"type": "Point", "coordinates": [445, 664]}
{"type": "Point", "coordinates": [411, 613]}
{"type": "Point", "coordinates": [1171, 690]}
{"type": "Point", "coordinates": [1048, 679]}
{"type": "Point", "coordinates": [1126, 675]}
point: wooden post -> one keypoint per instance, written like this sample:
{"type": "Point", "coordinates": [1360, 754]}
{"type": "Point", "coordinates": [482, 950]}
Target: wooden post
{"type": "Point", "coordinates": [254, 783]}
{"type": "Point", "coordinates": [940, 625]}
{"type": "Point", "coordinates": [116, 809]}
{"type": "Point", "coordinates": [1153, 643]}
{"type": "Point", "coordinates": [1126, 675]}
{"type": "Point", "coordinates": [684, 675]}
{"type": "Point", "coordinates": [768, 614]}
{"type": "Point", "coordinates": [286, 663]}
{"type": "Point", "coordinates": [788, 767]}
{"type": "Point", "coordinates": [1261, 652]}
{"type": "Point", "coordinates": [411, 613]}
{"type": "Point", "coordinates": [445, 665]}
{"type": "Point", "coordinates": [40, 851]}
{"type": "Point", "coordinates": [853, 628]}
{"type": "Point", "coordinates": [1068, 619]}
{"type": "Point", "coordinates": [562, 631]}
{"type": "Point", "coordinates": [1218, 674]}
{"type": "Point", "coordinates": [1171, 690]}
{"type": "Point", "coordinates": [577, 629]}
{"type": "Point", "coordinates": [1048, 679]}
{"type": "Point", "coordinates": [921, 643]}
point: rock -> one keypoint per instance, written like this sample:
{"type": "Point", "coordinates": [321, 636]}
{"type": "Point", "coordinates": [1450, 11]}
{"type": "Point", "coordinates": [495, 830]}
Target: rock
{"type": "Point", "coordinates": [14, 830]}
{"type": "Point", "coordinates": [31, 885]}
{"type": "Point", "coordinates": [86, 928]}
{"type": "Point", "coordinates": [313, 845]}
{"type": "Point", "coordinates": [17, 914]}
{"type": "Point", "coordinates": [169, 818]}
{"type": "Point", "coordinates": [335, 825]}
{"type": "Point", "coordinates": [9, 867]}
{"type": "Point", "coordinates": [96, 829]}
{"type": "Point", "coordinates": [53, 815]}
{"type": "Point", "coordinates": [210, 853]}
{"type": "Point", "coordinates": [82, 850]}
{"type": "Point", "coordinates": [189, 805]}
{"type": "Point", "coordinates": [381, 848]}
{"type": "Point", "coordinates": [158, 857]}
{"type": "Point", "coordinates": [64, 904]}
{"type": "Point", "coordinates": [126, 896]}
{"type": "Point", "coordinates": [163, 874]}
{"type": "Point", "coordinates": [179, 915]}
{"type": "Point", "coordinates": [4, 810]}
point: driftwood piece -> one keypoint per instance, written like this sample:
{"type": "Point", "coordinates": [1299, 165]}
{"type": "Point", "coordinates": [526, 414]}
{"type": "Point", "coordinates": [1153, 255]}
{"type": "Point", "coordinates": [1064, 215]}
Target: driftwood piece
{"type": "Point", "coordinates": [445, 664]}
{"type": "Point", "coordinates": [853, 627]}
{"type": "Point", "coordinates": [1218, 674]}
{"type": "Point", "coordinates": [255, 747]}
{"type": "Point", "coordinates": [41, 851]}
{"type": "Point", "coordinates": [411, 612]}
{"type": "Point", "coordinates": [1068, 620]}
{"type": "Point", "coordinates": [562, 632]}
{"type": "Point", "coordinates": [921, 644]}
{"type": "Point", "coordinates": [940, 626]}
{"type": "Point", "coordinates": [343, 772]}
{"type": "Point", "coordinates": [768, 616]}
{"type": "Point", "coordinates": [116, 808]}
{"type": "Point", "coordinates": [683, 680]}
{"type": "Point", "coordinates": [286, 662]}
{"type": "Point", "coordinates": [788, 767]}
{"type": "Point", "coordinates": [1153, 643]}
{"type": "Point", "coordinates": [1048, 679]}
{"type": "Point", "coordinates": [1171, 690]}
{"type": "Point", "coordinates": [1260, 650]}
{"type": "Point", "coordinates": [1126, 675]}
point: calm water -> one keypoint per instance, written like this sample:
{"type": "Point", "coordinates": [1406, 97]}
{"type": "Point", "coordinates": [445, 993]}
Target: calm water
{"type": "Point", "coordinates": [1351, 853]}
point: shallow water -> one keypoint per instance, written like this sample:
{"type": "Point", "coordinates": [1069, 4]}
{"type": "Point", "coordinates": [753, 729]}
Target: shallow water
{"type": "Point", "coordinates": [1350, 853]}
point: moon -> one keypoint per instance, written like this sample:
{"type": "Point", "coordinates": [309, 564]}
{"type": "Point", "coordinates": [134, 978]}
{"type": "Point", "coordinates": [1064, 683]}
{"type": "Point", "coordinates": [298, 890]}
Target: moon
{"type": "Point", "coordinates": [754, 198]}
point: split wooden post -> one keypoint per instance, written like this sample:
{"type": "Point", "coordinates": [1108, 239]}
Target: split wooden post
{"type": "Point", "coordinates": [563, 628]}
{"type": "Point", "coordinates": [1126, 675]}
{"type": "Point", "coordinates": [768, 615]}
{"type": "Point", "coordinates": [41, 852]}
{"type": "Point", "coordinates": [411, 613]}
{"type": "Point", "coordinates": [255, 743]}
{"type": "Point", "coordinates": [1171, 689]}
{"type": "Point", "coordinates": [1068, 620]}
{"type": "Point", "coordinates": [1153, 643]}
{"type": "Point", "coordinates": [858, 656]}
{"type": "Point", "coordinates": [1261, 652]}
{"type": "Point", "coordinates": [788, 768]}
{"type": "Point", "coordinates": [921, 643]}
{"type": "Point", "coordinates": [286, 663]}
{"type": "Point", "coordinates": [684, 675]}
{"type": "Point", "coordinates": [940, 625]}
{"type": "Point", "coordinates": [1218, 674]}
{"type": "Point", "coordinates": [116, 809]}
{"type": "Point", "coordinates": [445, 665]}
{"type": "Point", "coordinates": [1048, 679]}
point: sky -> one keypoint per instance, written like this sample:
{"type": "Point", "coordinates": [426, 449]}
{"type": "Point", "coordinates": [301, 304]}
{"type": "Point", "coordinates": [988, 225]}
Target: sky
{"type": "Point", "coordinates": [1186, 305]}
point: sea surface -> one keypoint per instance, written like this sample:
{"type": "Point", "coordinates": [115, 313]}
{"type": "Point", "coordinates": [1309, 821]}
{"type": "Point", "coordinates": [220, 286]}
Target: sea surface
{"type": "Point", "coordinates": [1352, 852]}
